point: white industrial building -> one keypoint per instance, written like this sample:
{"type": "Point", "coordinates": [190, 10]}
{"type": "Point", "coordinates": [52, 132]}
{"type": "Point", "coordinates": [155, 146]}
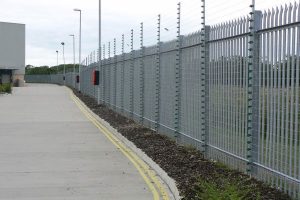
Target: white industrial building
{"type": "Point", "coordinates": [12, 53]}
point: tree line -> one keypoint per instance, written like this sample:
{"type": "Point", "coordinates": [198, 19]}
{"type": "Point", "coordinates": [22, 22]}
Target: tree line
{"type": "Point", "coordinates": [36, 70]}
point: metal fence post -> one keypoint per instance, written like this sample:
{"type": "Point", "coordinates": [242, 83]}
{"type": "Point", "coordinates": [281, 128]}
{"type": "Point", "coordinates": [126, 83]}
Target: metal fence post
{"type": "Point", "coordinates": [122, 74]}
{"type": "Point", "coordinates": [205, 30]}
{"type": "Point", "coordinates": [255, 110]}
{"type": "Point", "coordinates": [206, 75]}
{"type": "Point", "coordinates": [142, 75]}
{"type": "Point", "coordinates": [131, 76]}
{"type": "Point", "coordinates": [251, 135]}
{"type": "Point", "coordinates": [115, 74]}
{"type": "Point", "coordinates": [178, 74]}
{"type": "Point", "coordinates": [157, 77]}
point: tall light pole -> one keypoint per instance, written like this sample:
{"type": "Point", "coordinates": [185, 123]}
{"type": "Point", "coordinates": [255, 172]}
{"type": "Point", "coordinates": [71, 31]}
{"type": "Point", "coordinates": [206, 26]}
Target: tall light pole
{"type": "Point", "coordinates": [63, 45]}
{"type": "Point", "coordinates": [79, 10]}
{"type": "Point", "coordinates": [72, 35]}
{"type": "Point", "coordinates": [99, 59]}
{"type": "Point", "coordinates": [56, 62]}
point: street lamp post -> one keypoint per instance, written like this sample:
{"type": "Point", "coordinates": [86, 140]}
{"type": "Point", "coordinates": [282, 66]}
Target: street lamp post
{"type": "Point", "coordinates": [72, 35]}
{"type": "Point", "coordinates": [63, 44]}
{"type": "Point", "coordinates": [79, 10]}
{"type": "Point", "coordinates": [56, 62]}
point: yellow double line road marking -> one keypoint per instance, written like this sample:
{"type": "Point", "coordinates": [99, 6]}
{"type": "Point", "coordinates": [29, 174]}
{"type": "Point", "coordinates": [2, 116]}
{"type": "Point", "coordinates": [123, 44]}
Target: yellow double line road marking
{"type": "Point", "coordinates": [147, 174]}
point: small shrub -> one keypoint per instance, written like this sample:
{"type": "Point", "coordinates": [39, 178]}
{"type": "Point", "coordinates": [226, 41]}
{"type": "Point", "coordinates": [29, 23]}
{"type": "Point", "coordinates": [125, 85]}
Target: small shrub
{"type": "Point", "coordinates": [6, 88]}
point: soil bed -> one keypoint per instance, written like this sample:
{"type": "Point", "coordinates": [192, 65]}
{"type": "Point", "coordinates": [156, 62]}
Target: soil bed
{"type": "Point", "coordinates": [196, 177]}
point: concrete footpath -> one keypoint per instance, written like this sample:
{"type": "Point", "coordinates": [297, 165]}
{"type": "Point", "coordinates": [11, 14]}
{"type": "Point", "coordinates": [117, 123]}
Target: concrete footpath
{"type": "Point", "coordinates": [50, 150]}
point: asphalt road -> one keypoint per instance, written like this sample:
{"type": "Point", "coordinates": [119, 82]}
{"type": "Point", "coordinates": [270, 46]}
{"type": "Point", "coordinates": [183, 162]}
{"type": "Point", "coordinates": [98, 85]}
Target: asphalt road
{"type": "Point", "coordinates": [50, 150]}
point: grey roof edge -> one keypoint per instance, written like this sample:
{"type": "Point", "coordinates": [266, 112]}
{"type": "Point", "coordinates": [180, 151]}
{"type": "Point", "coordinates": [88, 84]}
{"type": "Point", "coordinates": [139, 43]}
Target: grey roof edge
{"type": "Point", "coordinates": [13, 23]}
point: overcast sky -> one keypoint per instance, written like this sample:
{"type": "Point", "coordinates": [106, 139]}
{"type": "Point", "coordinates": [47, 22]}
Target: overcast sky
{"type": "Point", "coordinates": [49, 22]}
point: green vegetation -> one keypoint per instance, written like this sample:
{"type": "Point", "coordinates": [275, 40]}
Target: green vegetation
{"type": "Point", "coordinates": [224, 188]}
{"type": "Point", "coordinates": [32, 70]}
{"type": "Point", "coordinates": [5, 88]}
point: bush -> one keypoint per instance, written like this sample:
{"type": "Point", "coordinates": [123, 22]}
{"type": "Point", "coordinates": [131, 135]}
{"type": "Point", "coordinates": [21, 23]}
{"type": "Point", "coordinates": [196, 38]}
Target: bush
{"type": "Point", "coordinates": [5, 88]}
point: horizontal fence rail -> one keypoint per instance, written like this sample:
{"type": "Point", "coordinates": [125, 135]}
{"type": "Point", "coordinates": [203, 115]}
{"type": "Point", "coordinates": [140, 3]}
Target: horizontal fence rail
{"type": "Point", "coordinates": [231, 90]}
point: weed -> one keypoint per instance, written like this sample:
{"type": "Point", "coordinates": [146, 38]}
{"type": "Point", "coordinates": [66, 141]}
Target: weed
{"type": "Point", "coordinates": [223, 190]}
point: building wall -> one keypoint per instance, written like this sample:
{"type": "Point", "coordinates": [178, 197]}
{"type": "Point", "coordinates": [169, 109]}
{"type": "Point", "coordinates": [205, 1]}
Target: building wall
{"type": "Point", "coordinates": [12, 49]}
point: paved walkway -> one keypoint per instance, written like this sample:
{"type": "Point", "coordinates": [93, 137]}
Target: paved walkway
{"type": "Point", "coordinates": [49, 150]}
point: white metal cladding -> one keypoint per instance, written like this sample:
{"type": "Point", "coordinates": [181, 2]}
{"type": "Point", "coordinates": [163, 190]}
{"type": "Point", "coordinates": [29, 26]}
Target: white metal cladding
{"type": "Point", "coordinates": [12, 47]}
{"type": "Point", "coordinates": [275, 117]}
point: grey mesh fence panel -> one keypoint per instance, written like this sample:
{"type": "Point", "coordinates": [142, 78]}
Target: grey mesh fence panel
{"type": "Point", "coordinates": [112, 82]}
{"type": "Point", "coordinates": [191, 91]}
{"type": "Point", "coordinates": [107, 82]}
{"type": "Point", "coordinates": [228, 92]}
{"type": "Point", "coordinates": [277, 85]}
{"type": "Point", "coordinates": [94, 87]}
{"type": "Point", "coordinates": [87, 81]}
{"type": "Point", "coordinates": [167, 87]}
{"type": "Point", "coordinates": [82, 85]}
{"type": "Point", "coordinates": [136, 86]}
{"type": "Point", "coordinates": [149, 64]}
{"type": "Point", "coordinates": [89, 85]}
{"type": "Point", "coordinates": [37, 79]}
{"type": "Point", "coordinates": [57, 79]}
{"type": "Point", "coordinates": [83, 74]}
{"type": "Point", "coordinates": [127, 84]}
{"type": "Point", "coordinates": [119, 82]}
{"type": "Point", "coordinates": [69, 79]}
{"type": "Point", "coordinates": [279, 65]}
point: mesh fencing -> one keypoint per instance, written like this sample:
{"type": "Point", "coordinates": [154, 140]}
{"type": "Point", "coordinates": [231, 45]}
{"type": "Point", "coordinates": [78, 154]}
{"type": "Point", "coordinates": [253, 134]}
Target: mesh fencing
{"type": "Point", "coordinates": [230, 89]}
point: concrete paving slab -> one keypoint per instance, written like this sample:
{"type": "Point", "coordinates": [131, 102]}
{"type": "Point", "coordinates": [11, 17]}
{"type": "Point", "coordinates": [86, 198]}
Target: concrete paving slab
{"type": "Point", "coordinates": [49, 150]}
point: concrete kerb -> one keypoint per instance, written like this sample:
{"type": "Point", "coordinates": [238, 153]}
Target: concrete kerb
{"type": "Point", "coordinates": [167, 182]}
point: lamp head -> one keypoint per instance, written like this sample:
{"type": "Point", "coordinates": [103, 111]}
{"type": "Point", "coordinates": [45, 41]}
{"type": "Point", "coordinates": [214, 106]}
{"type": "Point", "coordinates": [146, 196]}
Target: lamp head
{"type": "Point", "coordinates": [76, 9]}
{"type": "Point", "coordinates": [63, 43]}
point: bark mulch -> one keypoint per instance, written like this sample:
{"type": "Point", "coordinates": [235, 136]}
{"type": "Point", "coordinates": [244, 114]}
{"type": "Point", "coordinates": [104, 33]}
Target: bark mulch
{"type": "Point", "coordinates": [185, 165]}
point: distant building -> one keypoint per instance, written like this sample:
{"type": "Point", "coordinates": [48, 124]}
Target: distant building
{"type": "Point", "coordinates": [12, 53]}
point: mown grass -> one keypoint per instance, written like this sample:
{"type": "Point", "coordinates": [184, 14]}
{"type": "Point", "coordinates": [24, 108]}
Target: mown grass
{"type": "Point", "coordinates": [5, 88]}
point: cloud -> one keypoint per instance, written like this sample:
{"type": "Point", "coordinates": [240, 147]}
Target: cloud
{"type": "Point", "coordinates": [49, 22]}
